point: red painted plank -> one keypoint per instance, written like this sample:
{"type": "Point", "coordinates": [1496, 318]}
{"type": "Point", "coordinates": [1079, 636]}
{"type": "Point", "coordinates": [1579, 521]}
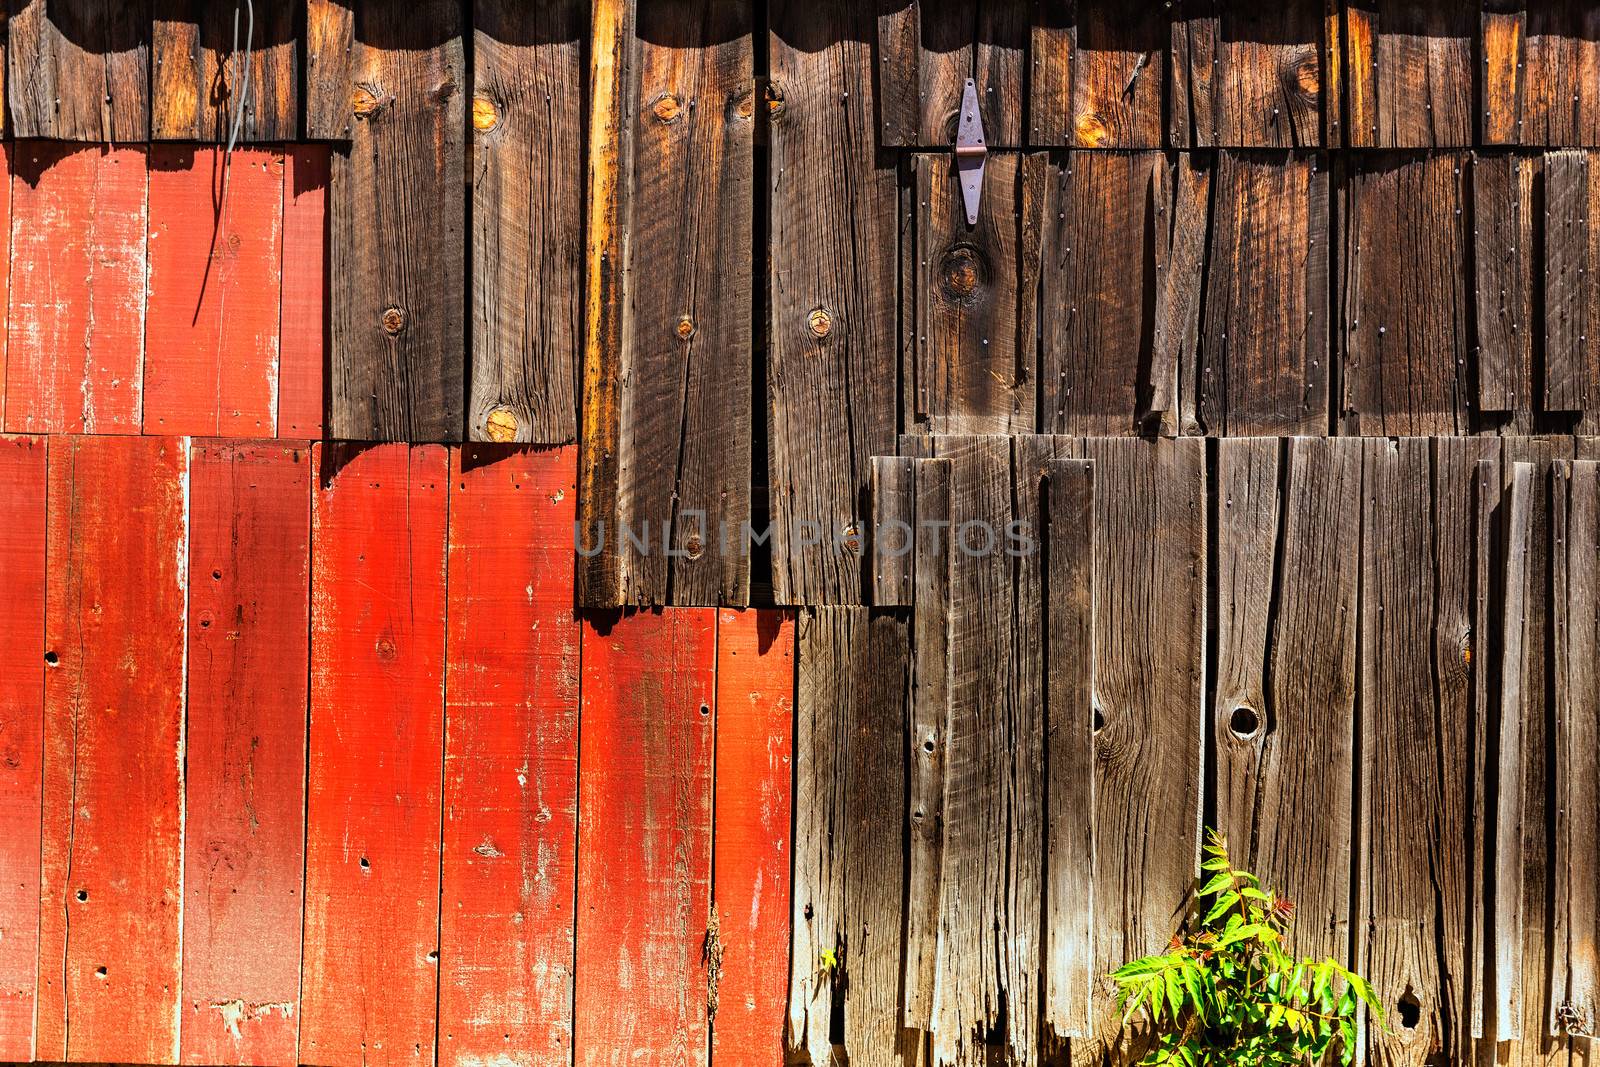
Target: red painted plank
{"type": "Point", "coordinates": [211, 322]}
{"type": "Point", "coordinates": [76, 326]}
{"type": "Point", "coordinates": [755, 720]}
{"type": "Point", "coordinates": [644, 838]}
{"type": "Point", "coordinates": [5, 275]}
{"type": "Point", "coordinates": [22, 532]}
{"type": "Point", "coordinates": [249, 553]}
{"type": "Point", "coordinates": [369, 981]}
{"type": "Point", "coordinates": [302, 321]}
{"type": "Point", "coordinates": [511, 759]}
{"type": "Point", "coordinates": [113, 850]}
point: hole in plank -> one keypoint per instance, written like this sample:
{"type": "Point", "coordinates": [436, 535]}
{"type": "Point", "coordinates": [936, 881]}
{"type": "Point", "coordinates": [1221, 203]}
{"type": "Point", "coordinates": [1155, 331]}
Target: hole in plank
{"type": "Point", "coordinates": [83, 894]}
{"type": "Point", "coordinates": [365, 866]}
{"type": "Point", "coordinates": [1410, 1009]}
{"type": "Point", "coordinates": [1099, 720]}
{"type": "Point", "coordinates": [51, 658]}
{"type": "Point", "coordinates": [1245, 722]}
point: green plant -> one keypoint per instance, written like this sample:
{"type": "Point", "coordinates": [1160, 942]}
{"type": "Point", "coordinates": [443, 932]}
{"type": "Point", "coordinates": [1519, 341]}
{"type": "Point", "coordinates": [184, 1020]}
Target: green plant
{"type": "Point", "coordinates": [1228, 992]}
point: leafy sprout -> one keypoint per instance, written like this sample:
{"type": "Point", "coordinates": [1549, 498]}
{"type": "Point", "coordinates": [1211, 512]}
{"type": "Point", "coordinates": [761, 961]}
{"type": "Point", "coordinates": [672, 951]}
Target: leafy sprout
{"type": "Point", "coordinates": [1228, 991]}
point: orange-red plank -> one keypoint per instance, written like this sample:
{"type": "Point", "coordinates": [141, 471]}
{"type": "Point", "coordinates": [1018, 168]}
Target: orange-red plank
{"type": "Point", "coordinates": [755, 717]}
{"type": "Point", "coordinates": [511, 759]}
{"type": "Point", "coordinates": [5, 275]}
{"type": "Point", "coordinates": [644, 838]}
{"type": "Point", "coordinates": [22, 530]}
{"type": "Point", "coordinates": [211, 320]}
{"type": "Point", "coordinates": [369, 980]}
{"type": "Point", "coordinates": [249, 553]}
{"type": "Point", "coordinates": [76, 323]}
{"type": "Point", "coordinates": [302, 320]}
{"type": "Point", "coordinates": [113, 849]}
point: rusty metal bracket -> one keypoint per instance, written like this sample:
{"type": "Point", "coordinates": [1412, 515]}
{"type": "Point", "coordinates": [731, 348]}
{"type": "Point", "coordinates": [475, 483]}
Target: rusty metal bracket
{"type": "Point", "coordinates": [971, 152]}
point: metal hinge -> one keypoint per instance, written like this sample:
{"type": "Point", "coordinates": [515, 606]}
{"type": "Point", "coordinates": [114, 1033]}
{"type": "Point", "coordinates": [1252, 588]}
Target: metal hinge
{"type": "Point", "coordinates": [971, 152]}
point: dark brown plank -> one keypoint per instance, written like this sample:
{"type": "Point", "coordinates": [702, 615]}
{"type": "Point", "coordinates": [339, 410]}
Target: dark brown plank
{"type": "Point", "coordinates": [1103, 357]}
{"type": "Point", "coordinates": [224, 71]}
{"type": "Point", "coordinates": [894, 522]}
{"type": "Point", "coordinates": [1263, 353]}
{"type": "Point", "coordinates": [1571, 239]}
{"type": "Point", "coordinates": [527, 219]}
{"type": "Point", "coordinates": [1288, 518]}
{"type": "Point", "coordinates": [330, 44]}
{"type": "Point", "coordinates": [972, 373]}
{"type": "Point", "coordinates": [898, 44]}
{"type": "Point", "coordinates": [1070, 968]}
{"type": "Point", "coordinates": [928, 50]}
{"type": "Point", "coordinates": [1403, 298]}
{"type": "Point", "coordinates": [1503, 251]}
{"type": "Point", "coordinates": [397, 229]}
{"type": "Point", "coordinates": [80, 69]}
{"type": "Point", "coordinates": [831, 372]}
{"type": "Point", "coordinates": [1541, 63]}
{"type": "Point", "coordinates": [1180, 286]}
{"type": "Point", "coordinates": [1410, 81]}
{"type": "Point", "coordinates": [1248, 75]}
{"type": "Point", "coordinates": [1098, 74]}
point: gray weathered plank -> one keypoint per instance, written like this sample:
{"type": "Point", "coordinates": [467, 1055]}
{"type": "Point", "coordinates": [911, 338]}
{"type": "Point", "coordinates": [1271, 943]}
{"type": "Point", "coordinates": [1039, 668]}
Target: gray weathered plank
{"type": "Point", "coordinates": [1503, 247]}
{"type": "Point", "coordinates": [79, 69]}
{"type": "Point", "coordinates": [1571, 238]}
{"type": "Point", "coordinates": [894, 523]}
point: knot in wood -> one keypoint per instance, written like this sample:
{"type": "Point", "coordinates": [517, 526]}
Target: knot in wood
{"type": "Point", "coordinates": [1301, 73]}
{"type": "Point", "coordinates": [820, 321]}
{"type": "Point", "coordinates": [385, 648]}
{"type": "Point", "coordinates": [501, 425]}
{"type": "Point", "coordinates": [744, 104]}
{"type": "Point", "coordinates": [775, 101]}
{"type": "Point", "coordinates": [394, 320]}
{"type": "Point", "coordinates": [962, 273]}
{"type": "Point", "coordinates": [666, 108]}
{"type": "Point", "coordinates": [366, 101]}
{"type": "Point", "coordinates": [485, 116]}
{"type": "Point", "coordinates": [1092, 130]}
{"type": "Point", "coordinates": [685, 328]}
{"type": "Point", "coordinates": [693, 546]}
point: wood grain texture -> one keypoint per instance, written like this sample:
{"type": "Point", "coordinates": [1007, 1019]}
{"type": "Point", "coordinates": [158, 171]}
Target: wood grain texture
{"type": "Point", "coordinates": [1541, 60]}
{"type": "Point", "coordinates": [112, 871]}
{"type": "Point", "coordinates": [224, 72]}
{"type": "Point", "coordinates": [894, 523]}
{"type": "Point", "coordinates": [302, 317]}
{"type": "Point", "coordinates": [1411, 78]}
{"type": "Point", "coordinates": [510, 759]}
{"type": "Point", "coordinates": [1504, 220]}
{"type": "Point", "coordinates": [330, 47]}
{"type": "Point", "coordinates": [831, 371]}
{"type": "Point", "coordinates": [1070, 968]}
{"type": "Point", "coordinates": [1284, 706]}
{"type": "Point", "coordinates": [527, 219]}
{"type": "Point", "coordinates": [22, 606]}
{"type": "Point", "coordinates": [375, 762]}
{"type": "Point", "coordinates": [1262, 360]}
{"type": "Point", "coordinates": [5, 287]}
{"type": "Point", "coordinates": [213, 292]}
{"type": "Point", "coordinates": [1570, 231]}
{"type": "Point", "coordinates": [750, 876]}
{"type": "Point", "coordinates": [76, 323]}
{"type": "Point", "coordinates": [1180, 290]}
{"type": "Point", "coordinates": [644, 838]}
{"type": "Point", "coordinates": [1249, 76]}
{"type": "Point", "coordinates": [972, 374]}
{"type": "Point", "coordinates": [397, 213]}
{"type": "Point", "coordinates": [1098, 75]}
{"type": "Point", "coordinates": [1403, 298]}
{"type": "Point", "coordinates": [79, 69]}
{"type": "Point", "coordinates": [927, 51]}
{"type": "Point", "coordinates": [245, 751]}
{"type": "Point", "coordinates": [1102, 246]}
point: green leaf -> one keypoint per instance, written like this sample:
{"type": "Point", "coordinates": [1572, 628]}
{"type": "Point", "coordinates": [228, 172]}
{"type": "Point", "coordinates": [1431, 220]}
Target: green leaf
{"type": "Point", "coordinates": [1224, 902]}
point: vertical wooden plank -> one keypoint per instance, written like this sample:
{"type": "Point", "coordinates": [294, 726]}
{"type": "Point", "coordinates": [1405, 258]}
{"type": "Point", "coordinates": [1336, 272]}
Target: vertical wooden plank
{"type": "Point", "coordinates": [1097, 75]}
{"type": "Point", "coordinates": [80, 70]}
{"type": "Point", "coordinates": [1251, 76]}
{"type": "Point", "coordinates": [22, 606]}
{"type": "Point", "coordinates": [213, 292]}
{"type": "Point", "coordinates": [1503, 247]}
{"type": "Point", "coordinates": [112, 872]}
{"type": "Point", "coordinates": [1411, 76]}
{"type": "Point", "coordinates": [245, 751]}
{"type": "Point", "coordinates": [527, 158]}
{"type": "Point", "coordinates": [894, 521]}
{"type": "Point", "coordinates": [375, 762]}
{"type": "Point", "coordinates": [1487, 551]}
{"type": "Point", "coordinates": [397, 214]}
{"type": "Point", "coordinates": [1503, 29]}
{"type": "Point", "coordinates": [685, 400]}
{"type": "Point", "coordinates": [1415, 701]}
{"type": "Point", "coordinates": [928, 735]}
{"type": "Point", "coordinates": [1070, 968]}
{"type": "Point", "coordinates": [750, 876]}
{"type": "Point", "coordinates": [510, 760]}
{"type": "Point", "coordinates": [302, 319]}
{"type": "Point", "coordinates": [1263, 354]}
{"type": "Point", "coordinates": [1403, 299]}
{"type": "Point", "coordinates": [1180, 287]}
{"type": "Point", "coordinates": [1571, 241]}
{"type": "Point", "coordinates": [1288, 521]}
{"type": "Point", "coordinates": [1101, 354]}
{"type": "Point", "coordinates": [76, 337]}
{"type": "Point", "coordinates": [944, 63]}
{"type": "Point", "coordinates": [1575, 515]}
{"type": "Point", "coordinates": [330, 47]}
{"type": "Point", "coordinates": [972, 373]}
{"type": "Point", "coordinates": [644, 837]}
{"type": "Point", "coordinates": [224, 72]}
{"type": "Point", "coordinates": [831, 373]}
{"type": "Point", "coordinates": [899, 106]}
{"type": "Point", "coordinates": [1542, 60]}
{"type": "Point", "coordinates": [5, 284]}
